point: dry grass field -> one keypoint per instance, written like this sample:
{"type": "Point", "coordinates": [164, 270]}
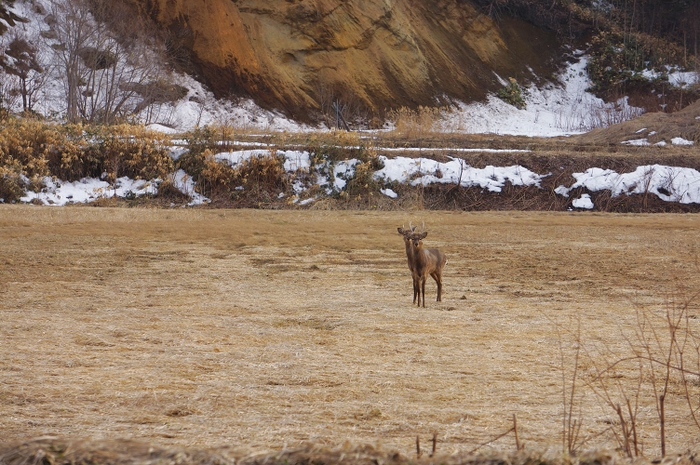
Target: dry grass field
{"type": "Point", "coordinates": [264, 329]}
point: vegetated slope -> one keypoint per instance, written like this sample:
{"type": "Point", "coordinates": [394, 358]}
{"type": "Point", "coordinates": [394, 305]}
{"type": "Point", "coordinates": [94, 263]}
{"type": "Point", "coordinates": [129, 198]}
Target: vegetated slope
{"type": "Point", "coordinates": [651, 128]}
{"type": "Point", "coordinates": [302, 56]}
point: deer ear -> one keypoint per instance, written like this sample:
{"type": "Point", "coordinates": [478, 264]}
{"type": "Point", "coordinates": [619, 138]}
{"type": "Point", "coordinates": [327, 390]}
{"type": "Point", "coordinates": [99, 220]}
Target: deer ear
{"type": "Point", "coordinates": [422, 236]}
{"type": "Point", "coordinates": [401, 231]}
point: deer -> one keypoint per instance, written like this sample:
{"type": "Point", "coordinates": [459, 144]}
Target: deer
{"type": "Point", "coordinates": [422, 262]}
{"type": "Point", "coordinates": [406, 233]}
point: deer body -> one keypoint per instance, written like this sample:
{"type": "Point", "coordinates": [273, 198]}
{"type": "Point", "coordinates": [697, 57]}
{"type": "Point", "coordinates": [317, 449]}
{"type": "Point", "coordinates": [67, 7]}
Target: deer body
{"type": "Point", "coordinates": [423, 262]}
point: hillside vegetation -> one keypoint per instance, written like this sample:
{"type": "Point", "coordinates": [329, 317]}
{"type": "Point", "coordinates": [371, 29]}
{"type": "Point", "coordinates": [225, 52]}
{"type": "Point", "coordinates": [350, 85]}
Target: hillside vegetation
{"type": "Point", "coordinates": [351, 64]}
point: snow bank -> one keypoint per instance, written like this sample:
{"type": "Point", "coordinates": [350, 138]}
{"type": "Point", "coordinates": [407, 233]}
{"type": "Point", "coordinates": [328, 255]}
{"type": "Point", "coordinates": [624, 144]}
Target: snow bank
{"type": "Point", "coordinates": [88, 190]}
{"type": "Point", "coordinates": [555, 109]}
{"type": "Point", "coordinates": [669, 183]}
{"type": "Point", "coordinates": [58, 193]}
{"type": "Point", "coordinates": [424, 171]}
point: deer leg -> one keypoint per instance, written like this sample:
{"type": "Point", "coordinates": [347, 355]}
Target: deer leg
{"type": "Point", "coordinates": [416, 292]}
{"type": "Point", "coordinates": [438, 279]}
{"type": "Point", "coordinates": [422, 284]}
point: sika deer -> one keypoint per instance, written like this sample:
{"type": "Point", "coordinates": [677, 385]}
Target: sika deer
{"type": "Point", "coordinates": [406, 233]}
{"type": "Point", "coordinates": [423, 262]}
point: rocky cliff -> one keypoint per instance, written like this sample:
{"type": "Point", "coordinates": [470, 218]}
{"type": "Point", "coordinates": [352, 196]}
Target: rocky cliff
{"type": "Point", "coordinates": [299, 56]}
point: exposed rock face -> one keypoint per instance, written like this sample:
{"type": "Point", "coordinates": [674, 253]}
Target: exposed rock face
{"type": "Point", "coordinates": [300, 55]}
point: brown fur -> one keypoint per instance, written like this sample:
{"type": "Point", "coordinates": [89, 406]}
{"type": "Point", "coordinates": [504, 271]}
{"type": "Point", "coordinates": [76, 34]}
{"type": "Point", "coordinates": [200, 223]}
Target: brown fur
{"type": "Point", "coordinates": [422, 262]}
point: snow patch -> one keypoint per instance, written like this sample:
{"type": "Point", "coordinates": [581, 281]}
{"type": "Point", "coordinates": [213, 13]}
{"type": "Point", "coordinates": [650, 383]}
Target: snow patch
{"type": "Point", "coordinates": [424, 171]}
{"type": "Point", "coordinates": [676, 77]}
{"type": "Point", "coordinates": [636, 142]}
{"type": "Point", "coordinates": [87, 190]}
{"type": "Point", "coordinates": [681, 141]}
{"type": "Point", "coordinates": [669, 183]}
{"type": "Point", "coordinates": [584, 202]}
{"type": "Point", "coordinates": [555, 109]}
{"type": "Point", "coordinates": [389, 193]}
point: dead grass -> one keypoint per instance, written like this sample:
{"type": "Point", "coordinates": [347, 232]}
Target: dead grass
{"type": "Point", "coordinates": [656, 127]}
{"type": "Point", "coordinates": [260, 329]}
{"type": "Point", "coordinates": [55, 451]}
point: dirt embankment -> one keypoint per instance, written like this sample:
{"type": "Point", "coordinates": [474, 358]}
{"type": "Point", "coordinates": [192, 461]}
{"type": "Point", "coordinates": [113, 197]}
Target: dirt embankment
{"type": "Point", "coordinates": [301, 56]}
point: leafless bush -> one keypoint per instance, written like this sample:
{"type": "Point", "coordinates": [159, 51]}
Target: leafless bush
{"type": "Point", "coordinates": [662, 360]}
{"type": "Point", "coordinates": [25, 61]}
{"type": "Point", "coordinates": [111, 68]}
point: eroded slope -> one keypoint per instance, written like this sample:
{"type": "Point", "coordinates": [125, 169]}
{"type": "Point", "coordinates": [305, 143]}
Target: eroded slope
{"type": "Point", "coordinates": [301, 55]}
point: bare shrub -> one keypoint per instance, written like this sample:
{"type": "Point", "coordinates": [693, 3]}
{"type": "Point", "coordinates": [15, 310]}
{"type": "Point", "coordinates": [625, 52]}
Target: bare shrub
{"type": "Point", "coordinates": [73, 157]}
{"type": "Point", "coordinates": [25, 144]}
{"type": "Point", "coordinates": [259, 180]}
{"type": "Point", "coordinates": [11, 189]}
{"type": "Point", "coordinates": [167, 190]}
{"type": "Point", "coordinates": [415, 123]}
{"type": "Point", "coordinates": [662, 361]}
{"type": "Point", "coordinates": [341, 109]}
{"type": "Point", "coordinates": [110, 65]}
{"type": "Point", "coordinates": [133, 151]}
{"type": "Point", "coordinates": [35, 149]}
{"type": "Point", "coordinates": [213, 176]}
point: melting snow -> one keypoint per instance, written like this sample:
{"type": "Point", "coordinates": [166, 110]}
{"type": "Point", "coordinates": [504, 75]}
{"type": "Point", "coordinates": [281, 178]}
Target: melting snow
{"type": "Point", "coordinates": [88, 190]}
{"type": "Point", "coordinates": [556, 109]}
{"type": "Point", "coordinates": [584, 202]}
{"type": "Point", "coordinates": [669, 183]}
{"type": "Point", "coordinates": [637, 142]}
{"type": "Point", "coordinates": [676, 78]}
{"type": "Point", "coordinates": [681, 141]}
{"type": "Point", "coordinates": [389, 193]}
{"type": "Point", "coordinates": [424, 171]}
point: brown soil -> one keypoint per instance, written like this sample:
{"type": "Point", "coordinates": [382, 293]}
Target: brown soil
{"type": "Point", "coordinates": [302, 56]}
{"type": "Point", "coordinates": [260, 329]}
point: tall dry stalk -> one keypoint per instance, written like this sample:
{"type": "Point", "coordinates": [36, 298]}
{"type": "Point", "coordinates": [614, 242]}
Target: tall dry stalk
{"type": "Point", "coordinates": [571, 426]}
{"type": "Point", "coordinates": [661, 347]}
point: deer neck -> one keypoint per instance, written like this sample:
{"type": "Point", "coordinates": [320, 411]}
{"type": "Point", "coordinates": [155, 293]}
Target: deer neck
{"type": "Point", "coordinates": [409, 251]}
{"type": "Point", "coordinates": [420, 257]}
